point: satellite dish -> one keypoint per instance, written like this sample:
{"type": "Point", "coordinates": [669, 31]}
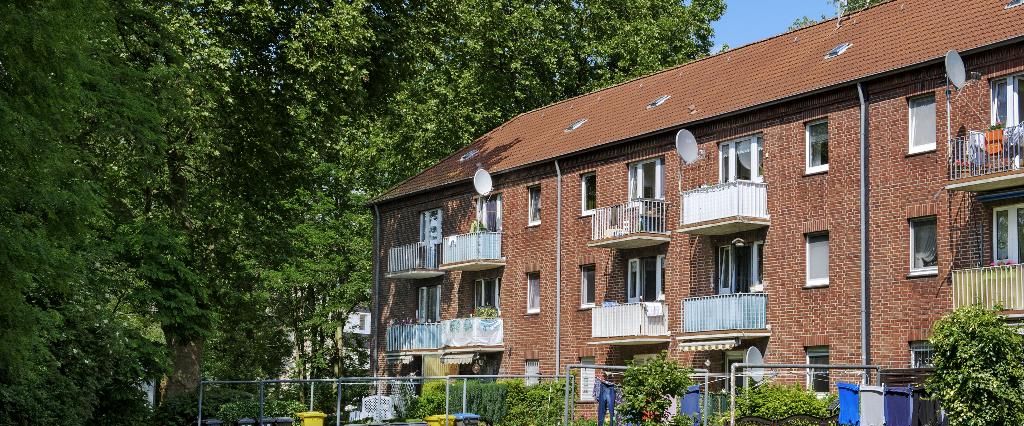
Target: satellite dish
{"type": "Point", "coordinates": [686, 146]}
{"type": "Point", "coordinates": [955, 71]}
{"type": "Point", "coordinates": [482, 182]}
{"type": "Point", "coordinates": [753, 356]}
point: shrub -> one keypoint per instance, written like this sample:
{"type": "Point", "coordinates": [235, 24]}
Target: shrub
{"type": "Point", "coordinates": [431, 400]}
{"type": "Point", "coordinates": [183, 409]}
{"type": "Point", "coordinates": [776, 402]}
{"type": "Point", "coordinates": [979, 368]}
{"type": "Point", "coordinates": [233, 411]}
{"type": "Point", "coordinates": [647, 387]}
{"type": "Point", "coordinates": [505, 403]}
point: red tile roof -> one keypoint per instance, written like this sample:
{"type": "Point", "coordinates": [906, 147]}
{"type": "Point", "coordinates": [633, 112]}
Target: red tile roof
{"type": "Point", "coordinates": [888, 37]}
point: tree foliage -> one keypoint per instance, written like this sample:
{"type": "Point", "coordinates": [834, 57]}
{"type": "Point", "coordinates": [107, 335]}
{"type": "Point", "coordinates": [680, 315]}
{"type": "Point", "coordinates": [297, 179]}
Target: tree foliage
{"type": "Point", "coordinates": [777, 402]}
{"type": "Point", "coordinates": [979, 368]}
{"type": "Point", "coordinates": [842, 6]}
{"type": "Point", "coordinates": [647, 388]}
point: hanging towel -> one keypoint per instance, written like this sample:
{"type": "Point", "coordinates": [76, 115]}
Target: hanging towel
{"type": "Point", "coordinates": [653, 309]}
{"type": "Point", "coordinates": [925, 410]}
{"type": "Point", "coordinates": [872, 406]}
{"type": "Point", "coordinates": [898, 406]}
{"type": "Point", "coordinates": [849, 404]}
{"type": "Point", "coordinates": [691, 404]}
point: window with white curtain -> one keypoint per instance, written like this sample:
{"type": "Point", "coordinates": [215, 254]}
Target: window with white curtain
{"type": "Point", "coordinates": [645, 278]}
{"type": "Point", "coordinates": [587, 379]}
{"type": "Point", "coordinates": [534, 205]}
{"type": "Point", "coordinates": [741, 159]}
{"type": "Point", "coordinates": [429, 307]}
{"type": "Point", "coordinates": [532, 371]}
{"type": "Point", "coordinates": [923, 250]}
{"type": "Point", "coordinates": [817, 260]}
{"type": "Point", "coordinates": [922, 123]}
{"type": "Point", "coordinates": [645, 180]}
{"type": "Point", "coordinates": [817, 146]}
{"type": "Point", "coordinates": [1008, 100]}
{"type": "Point", "coordinates": [1008, 233]}
{"type": "Point", "coordinates": [488, 212]}
{"type": "Point", "coordinates": [533, 292]}
{"type": "Point", "coordinates": [739, 268]}
{"type": "Point", "coordinates": [488, 293]}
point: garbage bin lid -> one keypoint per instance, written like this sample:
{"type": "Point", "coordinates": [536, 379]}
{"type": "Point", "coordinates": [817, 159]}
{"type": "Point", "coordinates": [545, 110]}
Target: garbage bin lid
{"type": "Point", "coordinates": [284, 420]}
{"type": "Point", "coordinates": [247, 421]}
{"type": "Point", "coordinates": [467, 416]}
{"type": "Point", "coordinates": [311, 415]}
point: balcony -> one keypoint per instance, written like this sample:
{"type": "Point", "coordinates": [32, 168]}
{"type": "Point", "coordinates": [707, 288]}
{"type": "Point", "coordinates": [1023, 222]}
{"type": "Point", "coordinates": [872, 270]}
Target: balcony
{"type": "Point", "coordinates": [634, 224]}
{"type": "Point", "coordinates": [473, 334]}
{"type": "Point", "coordinates": [726, 315]}
{"type": "Point", "coordinates": [725, 208]}
{"type": "Point", "coordinates": [414, 338]}
{"type": "Point", "coordinates": [630, 324]}
{"type": "Point", "coordinates": [414, 261]}
{"type": "Point", "coordinates": [990, 287]}
{"type": "Point", "coordinates": [986, 161]}
{"type": "Point", "coordinates": [477, 251]}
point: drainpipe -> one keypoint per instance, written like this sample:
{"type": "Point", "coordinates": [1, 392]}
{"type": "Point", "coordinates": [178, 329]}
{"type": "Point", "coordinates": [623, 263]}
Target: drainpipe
{"type": "Point", "coordinates": [375, 306]}
{"type": "Point", "coordinates": [865, 290]}
{"type": "Point", "coordinates": [558, 269]}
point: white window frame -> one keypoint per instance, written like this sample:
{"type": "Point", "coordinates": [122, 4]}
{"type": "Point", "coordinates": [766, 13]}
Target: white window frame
{"type": "Point", "coordinates": [583, 194]}
{"type": "Point", "coordinates": [756, 281]}
{"type": "Point", "coordinates": [816, 282]}
{"type": "Point", "coordinates": [729, 148]}
{"type": "Point", "coordinates": [584, 286]}
{"type": "Point", "coordinates": [816, 351]}
{"type": "Point", "coordinates": [532, 206]}
{"type": "Point", "coordinates": [530, 292]}
{"type": "Point", "coordinates": [635, 281]}
{"type": "Point", "coordinates": [481, 205]}
{"type": "Point", "coordinates": [1013, 114]}
{"type": "Point", "coordinates": [423, 298]}
{"type": "Point", "coordinates": [531, 369]}
{"type": "Point", "coordinates": [636, 182]}
{"type": "Point", "coordinates": [1012, 243]}
{"type": "Point", "coordinates": [809, 169]}
{"type": "Point", "coordinates": [480, 293]}
{"type": "Point", "coordinates": [929, 270]}
{"type": "Point", "coordinates": [587, 379]}
{"type": "Point", "coordinates": [916, 348]}
{"type": "Point", "coordinates": [911, 124]}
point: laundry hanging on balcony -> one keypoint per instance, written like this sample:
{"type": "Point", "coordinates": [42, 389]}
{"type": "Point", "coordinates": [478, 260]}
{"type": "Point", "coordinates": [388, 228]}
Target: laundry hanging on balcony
{"type": "Point", "coordinates": [473, 332]}
{"type": "Point", "coordinates": [654, 309]}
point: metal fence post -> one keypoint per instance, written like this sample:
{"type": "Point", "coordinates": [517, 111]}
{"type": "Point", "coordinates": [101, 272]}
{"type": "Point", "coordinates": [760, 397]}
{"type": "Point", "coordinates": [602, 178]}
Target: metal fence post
{"type": "Point", "coordinates": [311, 384]}
{"type": "Point", "coordinates": [447, 397]}
{"type": "Point", "coordinates": [464, 381]}
{"type": "Point", "coordinates": [337, 407]}
{"type": "Point", "coordinates": [259, 421]}
{"type": "Point", "coordinates": [199, 421]}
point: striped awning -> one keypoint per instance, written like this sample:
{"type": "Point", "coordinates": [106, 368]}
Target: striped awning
{"type": "Point", "coordinates": [710, 345]}
{"type": "Point", "coordinates": [400, 359]}
{"type": "Point", "coordinates": [456, 358]}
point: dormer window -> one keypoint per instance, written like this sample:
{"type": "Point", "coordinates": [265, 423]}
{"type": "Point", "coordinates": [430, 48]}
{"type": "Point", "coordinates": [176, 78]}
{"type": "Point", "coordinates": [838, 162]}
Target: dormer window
{"type": "Point", "coordinates": [657, 102]}
{"type": "Point", "coordinates": [838, 50]}
{"type": "Point", "coordinates": [575, 124]}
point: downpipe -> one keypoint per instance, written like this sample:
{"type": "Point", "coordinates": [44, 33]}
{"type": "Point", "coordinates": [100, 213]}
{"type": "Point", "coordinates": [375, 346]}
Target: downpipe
{"type": "Point", "coordinates": [558, 268]}
{"type": "Point", "coordinates": [865, 256]}
{"type": "Point", "coordinates": [375, 314]}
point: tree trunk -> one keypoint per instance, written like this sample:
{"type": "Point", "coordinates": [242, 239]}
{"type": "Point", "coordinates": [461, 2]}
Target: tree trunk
{"type": "Point", "coordinates": [339, 343]}
{"type": "Point", "coordinates": [185, 366]}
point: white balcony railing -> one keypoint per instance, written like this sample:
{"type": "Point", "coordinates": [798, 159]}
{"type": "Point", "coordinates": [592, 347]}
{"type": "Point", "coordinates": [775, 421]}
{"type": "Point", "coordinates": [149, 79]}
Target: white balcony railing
{"type": "Point", "coordinates": [725, 200]}
{"type": "Point", "coordinates": [414, 337]}
{"type": "Point", "coordinates": [631, 217]}
{"type": "Point", "coordinates": [741, 311]}
{"type": "Point", "coordinates": [985, 153]}
{"type": "Point", "coordinates": [465, 332]}
{"type": "Point", "coordinates": [471, 247]}
{"type": "Point", "coordinates": [630, 320]}
{"type": "Point", "coordinates": [990, 287]}
{"type": "Point", "coordinates": [411, 257]}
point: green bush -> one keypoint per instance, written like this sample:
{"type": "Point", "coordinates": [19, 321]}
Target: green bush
{"type": "Point", "coordinates": [431, 400]}
{"type": "Point", "coordinates": [233, 411]}
{"type": "Point", "coordinates": [776, 402]}
{"type": "Point", "coordinates": [183, 410]}
{"type": "Point", "coordinates": [502, 403]}
{"type": "Point", "coordinates": [647, 387]}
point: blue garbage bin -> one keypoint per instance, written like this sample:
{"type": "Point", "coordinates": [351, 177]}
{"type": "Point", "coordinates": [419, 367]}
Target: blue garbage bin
{"type": "Point", "coordinates": [467, 419]}
{"type": "Point", "coordinates": [246, 421]}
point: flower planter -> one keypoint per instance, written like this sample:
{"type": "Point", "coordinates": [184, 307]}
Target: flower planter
{"type": "Point", "coordinates": [994, 141]}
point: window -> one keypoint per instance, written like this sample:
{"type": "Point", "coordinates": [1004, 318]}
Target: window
{"type": "Point", "coordinates": [533, 292]}
{"type": "Point", "coordinates": [641, 359]}
{"type": "Point", "coordinates": [587, 285]}
{"type": "Point", "coordinates": [430, 235]}
{"type": "Point", "coordinates": [429, 307]}
{"type": "Point", "coordinates": [588, 192]}
{"type": "Point", "coordinates": [922, 124]}
{"type": "Point", "coordinates": [1014, 3]}
{"type": "Point", "coordinates": [818, 379]}
{"type": "Point", "coordinates": [534, 206]}
{"type": "Point", "coordinates": [587, 379]}
{"type": "Point", "coordinates": [923, 253]}
{"type": "Point", "coordinates": [739, 268]}
{"type": "Point", "coordinates": [358, 322]}
{"type": "Point", "coordinates": [488, 212]}
{"type": "Point", "coordinates": [644, 282]}
{"type": "Point", "coordinates": [817, 147]}
{"type": "Point", "coordinates": [838, 50]}
{"type": "Point", "coordinates": [741, 160]}
{"type": "Point", "coordinates": [488, 293]}
{"type": "Point", "coordinates": [645, 180]}
{"type": "Point", "coordinates": [1008, 100]}
{"type": "Point", "coordinates": [1008, 233]}
{"type": "Point", "coordinates": [921, 353]}
{"type": "Point", "coordinates": [575, 125]}
{"type": "Point", "coordinates": [817, 260]}
{"type": "Point", "coordinates": [532, 369]}
{"type": "Point", "coordinates": [657, 102]}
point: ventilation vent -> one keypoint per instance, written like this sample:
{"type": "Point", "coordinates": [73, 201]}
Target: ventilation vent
{"type": "Point", "coordinates": [657, 102]}
{"type": "Point", "coordinates": [575, 124]}
{"type": "Point", "coordinates": [469, 154]}
{"type": "Point", "coordinates": [838, 50]}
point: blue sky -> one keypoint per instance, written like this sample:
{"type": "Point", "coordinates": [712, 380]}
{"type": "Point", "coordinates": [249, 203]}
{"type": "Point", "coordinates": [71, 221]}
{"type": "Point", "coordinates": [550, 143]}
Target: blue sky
{"type": "Point", "coordinates": [747, 21]}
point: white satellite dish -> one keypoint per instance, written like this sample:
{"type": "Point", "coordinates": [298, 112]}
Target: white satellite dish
{"type": "Point", "coordinates": [686, 146]}
{"type": "Point", "coordinates": [955, 70]}
{"type": "Point", "coordinates": [753, 356]}
{"type": "Point", "coordinates": [482, 182]}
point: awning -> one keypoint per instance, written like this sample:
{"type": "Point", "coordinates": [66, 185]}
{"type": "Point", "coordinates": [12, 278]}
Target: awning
{"type": "Point", "coordinates": [400, 359]}
{"type": "Point", "coordinates": [710, 345]}
{"type": "Point", "coordinates": [457, 358]}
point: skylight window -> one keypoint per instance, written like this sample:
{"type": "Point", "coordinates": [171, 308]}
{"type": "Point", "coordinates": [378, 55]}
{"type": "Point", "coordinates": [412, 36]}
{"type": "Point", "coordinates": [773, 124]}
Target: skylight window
{"type": "Point", "coordinates": [661, 99]}
{"type": "Point", "coordinates": [469, 154]}
{"type": "Point", "coordinates": [575, 124]}
{"type": "Point", "coordinates": [1014, 3]}
{"type": "Point", "coordinates": [838, 50]}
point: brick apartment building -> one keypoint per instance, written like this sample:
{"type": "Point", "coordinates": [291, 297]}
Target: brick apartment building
{"type": "Point", "coordinates": [599, 245]}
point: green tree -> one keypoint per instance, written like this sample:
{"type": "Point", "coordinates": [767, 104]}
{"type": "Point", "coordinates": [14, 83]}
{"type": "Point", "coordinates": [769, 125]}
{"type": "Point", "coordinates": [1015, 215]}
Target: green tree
{"type": "Point", "coordinates": [979, 368]}
{"type": "Point", "coordinates": [647, 387]}
{"type": "Point", "coordinates": [843, 6]}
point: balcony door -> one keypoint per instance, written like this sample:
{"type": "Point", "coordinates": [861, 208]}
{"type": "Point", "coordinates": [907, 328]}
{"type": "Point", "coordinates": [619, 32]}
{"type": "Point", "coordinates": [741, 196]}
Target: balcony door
{"type": "Point", "coordinates": [430, 235]}
{"type": "Point", "coordinates": [488, 212]}
{"type": "Point", "coordinates": [429, 307]}
{"type": "Point", "coordinates": [1008, 101]}
{"type": "Point", "coordinates": [645, 279]}
{"type": "Point", "coordinates": [739, 268]}
{"type": "Point", "coordinates": [1008, 233]}
{"type": "Point", "coordinates": [646, 180]}
{"type": "Point", "coordinates": [741, 160]}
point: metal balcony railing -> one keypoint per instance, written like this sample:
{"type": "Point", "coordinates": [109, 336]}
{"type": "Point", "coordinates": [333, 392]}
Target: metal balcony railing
{"type": "Point", "coordinates": [414, 337]}
{"type": "Point", "coordinates": [990, 287]}
{"type": "Point", "coordinates": [741, 311]}
{"type": "Point", "coordinates": [631, 217]}
{"type": "Point", "coordinates": [411, 257]}
{"type": "Point", "coordinates": [630, 320]}
{"type": "Point", "coordinates": [470, 247]}
{"type": "Point", "coordinates": [725, 200]}
{"type": "Point", "coordinates": [985, 153]}
{"type": "Point", "coordinates": [465, 332]}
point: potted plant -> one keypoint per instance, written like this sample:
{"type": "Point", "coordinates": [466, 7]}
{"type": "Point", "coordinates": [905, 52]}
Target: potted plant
{"type": "Point", "coordinates": [486, 312]}
{"type": "Point", "coordinates": [994, 139]}
{"type": "Point", "coordinates": [477, 226]}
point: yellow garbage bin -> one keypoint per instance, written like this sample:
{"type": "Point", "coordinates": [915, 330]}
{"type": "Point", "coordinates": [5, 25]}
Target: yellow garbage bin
{"type": "Point", "coordinates": [439, 420]}
{"type": "Point", "coordinates": [312, 418]}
